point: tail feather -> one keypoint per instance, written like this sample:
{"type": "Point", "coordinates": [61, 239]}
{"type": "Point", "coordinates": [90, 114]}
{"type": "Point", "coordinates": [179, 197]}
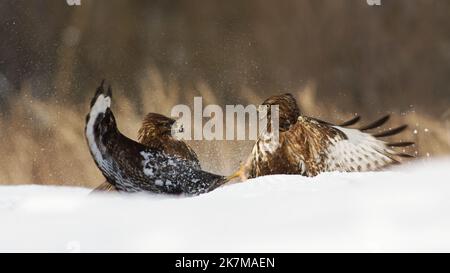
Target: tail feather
{"type": "Point", "coordinates": [100, 90]}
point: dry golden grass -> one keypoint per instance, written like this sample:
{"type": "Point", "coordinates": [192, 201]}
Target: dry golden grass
{"type": "Point", "coordinates": [42, 142]}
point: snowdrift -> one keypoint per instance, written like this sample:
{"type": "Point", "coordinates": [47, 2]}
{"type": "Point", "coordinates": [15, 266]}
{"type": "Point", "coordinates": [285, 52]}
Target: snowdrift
{"type": "Point", "coordinates": [405, 209]}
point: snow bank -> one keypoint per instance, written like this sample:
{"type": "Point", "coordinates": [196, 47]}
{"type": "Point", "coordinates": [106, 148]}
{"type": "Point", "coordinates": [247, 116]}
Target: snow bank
{"type": "Point", "coordinates": [406, 209]}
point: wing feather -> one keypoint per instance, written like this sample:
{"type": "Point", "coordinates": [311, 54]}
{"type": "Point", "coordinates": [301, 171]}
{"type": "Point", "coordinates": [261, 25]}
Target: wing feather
{"type": "Point", "coordinates": [358, 151]}
{"type": "Point", "coordinates": [376, 123]}
{"type": "Point", "coordinates": [311, 146]}
{"type": "Point", "coordinates": [316, 147]}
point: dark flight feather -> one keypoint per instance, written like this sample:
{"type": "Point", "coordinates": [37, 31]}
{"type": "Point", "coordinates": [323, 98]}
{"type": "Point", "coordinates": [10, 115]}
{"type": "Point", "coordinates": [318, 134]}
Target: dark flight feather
{"type": "Point", "coordinates": [391, 132]}
{"type": "Point", "coordinates": [376, 123]}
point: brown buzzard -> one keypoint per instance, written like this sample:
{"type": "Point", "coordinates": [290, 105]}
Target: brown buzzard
{"type": "Point", "coordinates": [156, 132]}
{"type": "Point", "coordinates": [309, 146]}
{"type": "Point", "coordinates": [133, 167]}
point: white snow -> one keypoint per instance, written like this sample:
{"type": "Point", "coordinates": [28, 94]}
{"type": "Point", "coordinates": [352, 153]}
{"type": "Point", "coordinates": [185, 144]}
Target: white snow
{"type": "Point", "coordinates": [406, 209]}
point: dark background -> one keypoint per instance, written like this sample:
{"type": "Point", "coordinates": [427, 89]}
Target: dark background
{"type": "Point", "coordinates": [338, 57]}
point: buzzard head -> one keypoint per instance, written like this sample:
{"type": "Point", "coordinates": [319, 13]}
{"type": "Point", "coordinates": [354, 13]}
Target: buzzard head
{"type": "Point", "coordinates": [288, 110]}
{"type": "Point", "coordinates": [156, 126]}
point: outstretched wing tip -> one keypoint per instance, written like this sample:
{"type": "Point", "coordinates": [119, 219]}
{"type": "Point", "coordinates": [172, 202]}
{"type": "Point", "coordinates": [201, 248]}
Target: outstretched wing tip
{"type": "Point", "coordinates": [378, 123]}
{"type": "Point", "coordinates": [391, 132]}
{"type": "Point", "coordinates": [351, 122]}
{"type": "Point", "coordinates": [401, 144]}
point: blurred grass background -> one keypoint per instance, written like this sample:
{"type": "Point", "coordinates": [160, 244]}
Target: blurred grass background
{"type": "Point", "coordinates": [338, 57]}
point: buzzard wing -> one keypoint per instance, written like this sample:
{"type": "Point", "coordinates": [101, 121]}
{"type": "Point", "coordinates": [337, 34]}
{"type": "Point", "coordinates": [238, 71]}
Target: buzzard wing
{"type": "Point", "coordinates": [317, 147]}
{"type": "Point", "coordinates": [354, 150]}
{"type": "Point", "coordinates": [312, 146]}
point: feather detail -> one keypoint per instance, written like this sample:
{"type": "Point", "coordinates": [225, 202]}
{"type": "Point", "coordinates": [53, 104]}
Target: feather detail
{"type": "Point", "coordinates": [310, 146]}
{"type": "Point", "coordinates": [376, 123]}
{"type": "Point", "coordinates": [357, 151]}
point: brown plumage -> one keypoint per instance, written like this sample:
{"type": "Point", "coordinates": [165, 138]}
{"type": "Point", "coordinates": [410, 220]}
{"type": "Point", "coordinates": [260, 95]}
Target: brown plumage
{"type": "Point", "coordinates": [133, 167]}
{"type": "Point", "coordinates": [156, 133]}
{"type": "Point", "coordinates": [308, 146]}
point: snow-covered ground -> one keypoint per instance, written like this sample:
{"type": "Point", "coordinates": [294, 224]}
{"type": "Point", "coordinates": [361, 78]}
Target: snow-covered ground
{"type": "Point", "coordinates": [406, 209]}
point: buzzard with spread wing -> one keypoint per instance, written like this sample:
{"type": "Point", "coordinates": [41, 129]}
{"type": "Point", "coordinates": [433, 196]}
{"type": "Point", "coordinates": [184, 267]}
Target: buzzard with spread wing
{"type": "Point", "coordinates": [309, 146]}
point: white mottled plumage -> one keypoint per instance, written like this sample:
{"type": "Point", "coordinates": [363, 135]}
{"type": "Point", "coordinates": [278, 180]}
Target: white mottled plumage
{"type": "Point", "coordinates": [358, 152]}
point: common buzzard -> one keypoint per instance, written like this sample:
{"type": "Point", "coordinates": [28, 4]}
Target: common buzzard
{"type": "Point", "coordinates": [133, 167]}
{"type": "Point", "coordinates": [308, 146]}
{"type": "Point", "coordinates": [156, 132]}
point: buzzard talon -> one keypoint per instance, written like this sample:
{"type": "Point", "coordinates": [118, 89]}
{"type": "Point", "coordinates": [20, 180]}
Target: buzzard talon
{"type": "Point", "coordinates": [240, 174]}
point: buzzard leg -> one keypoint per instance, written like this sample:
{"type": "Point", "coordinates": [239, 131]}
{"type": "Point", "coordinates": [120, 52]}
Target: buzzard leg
{"type": "Point", "coordinates": [240, 174]}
